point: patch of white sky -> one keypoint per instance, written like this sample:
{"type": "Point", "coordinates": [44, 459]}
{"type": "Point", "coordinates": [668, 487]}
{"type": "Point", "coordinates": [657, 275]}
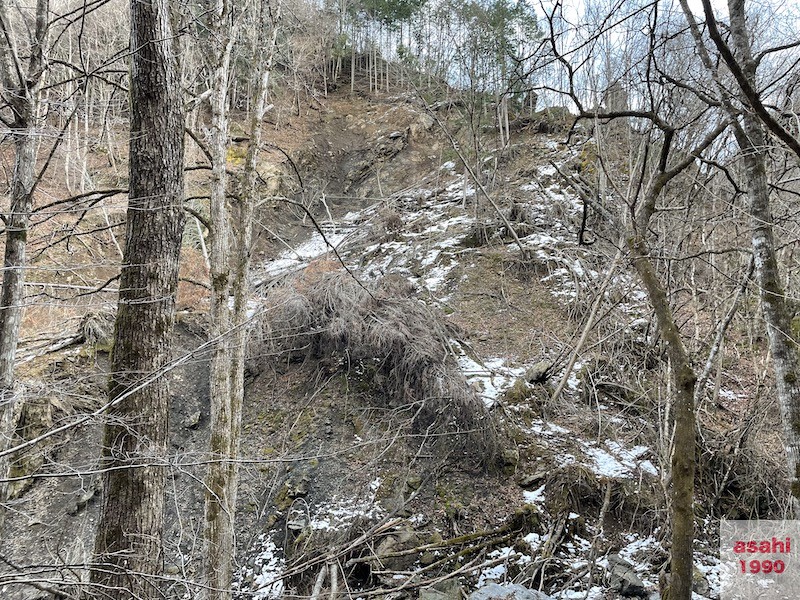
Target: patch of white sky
{"type": "Point", "coordinates": [599, 38]}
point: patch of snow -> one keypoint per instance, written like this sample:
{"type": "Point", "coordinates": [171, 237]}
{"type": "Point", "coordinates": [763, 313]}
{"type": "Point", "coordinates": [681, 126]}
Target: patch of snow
{"type": "Point", "coordinates": [436, 277]}
{"type": "Point", "coordinates": [448, 166]}
{"type": "Point", "coordinates": [648, 468]}
{"type": "Point", "coordinates": [594, 593]}
{"type": "Point", "coordinates": [546, 170]}
{"type": "Point", "coordinates": [573, 382]}
{"type": "Point", "coordinates": [459, 189]}
{"type": "Point", "coordinates": [710, 567]}
{"type": "Point", "coordinates": [542, 240]}
{"type": "Point", "coordinates": [544, 428]}
{"type": "Point", "coordinates": [491, 574]}
{"type": "Point", "coordinates": [535, 541]}
{"type": "Point", "coordinates": [615, 461]}
{"type": "Point", "coordinates": [534, 496]}
{"type": "Point", "coordinates": [340, 513]}
{"type": "Point", "coordinates": [606, 465]}
{"type": "Point", "coordinates": [729, 394]}
{"type": "Point", "coordinates": [637, 546]}
{"type": "Point", "coordinates": [499, 571]}
{"type": "Point", "coordinates": [268, 565]}
{"type": "Point", "coordinates": [298, 258]}
{"type": "Point", "coordinates": [418, 519]}
{"type": "Point", "coordinates": [492, 378]}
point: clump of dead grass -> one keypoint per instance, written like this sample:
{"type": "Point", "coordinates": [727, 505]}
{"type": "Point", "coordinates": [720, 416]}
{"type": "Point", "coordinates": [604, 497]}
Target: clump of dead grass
{"type": "Point", "coordinates": [97, 327]}
{"type": "Point", "coordinates": [402, 345]}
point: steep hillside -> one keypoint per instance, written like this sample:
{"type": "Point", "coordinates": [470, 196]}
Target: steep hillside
{"type": "Point", "coordinates": [415, 421]}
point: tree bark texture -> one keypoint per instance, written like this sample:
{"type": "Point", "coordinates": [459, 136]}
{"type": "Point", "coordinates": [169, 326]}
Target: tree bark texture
{"type": "Point", "coordinates": [220, 498]}
{"type": "Point", "coordinates": [752, 140]}
{"type": "Point", "coordinates": [21, 93]}
{"type": "Point", "coordinates": [683, 460]}
{"type": "Point", "coordinates": [231, 242]}
{"type": "Point", "coordinates": [128, 547]}
{"type": "Point", "coordinates": [683, 446]}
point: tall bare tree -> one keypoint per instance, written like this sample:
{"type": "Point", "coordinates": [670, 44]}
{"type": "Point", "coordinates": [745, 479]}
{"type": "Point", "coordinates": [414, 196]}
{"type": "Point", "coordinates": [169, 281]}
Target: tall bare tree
{"type": "Point", "coordinates": [752, 140]}
{"type": "Point", "coordinates": [220, 501]}
{"type": "Point", "coordinates": [231, 228]}
{"type": "Point", "coordinates": [21, 90]}
{"type": "Point", "coordinates": [751, 126]}
{"type": "Point", "coordinates": [665, 144]}
{"type": "Point", "coordinates": [128, 545]}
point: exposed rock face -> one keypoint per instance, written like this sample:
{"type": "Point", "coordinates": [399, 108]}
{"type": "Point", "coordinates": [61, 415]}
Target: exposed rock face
{"type": "Point", "coordinates": [507, 591]}
{"type": "Point", "coordinates": [449, 589]}
{"type": "Point", "coordinates": [368, 159]}
{"type": "Point", "coordinates": [623, 578]}
{"type": "Point", "coordinates": [36, 418]}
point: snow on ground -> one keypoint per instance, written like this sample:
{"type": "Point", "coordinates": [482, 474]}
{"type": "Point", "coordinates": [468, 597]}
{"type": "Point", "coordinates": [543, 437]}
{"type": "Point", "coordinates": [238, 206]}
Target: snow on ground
{"type": "Point", "coordinates": [297, 258]}
{"type": "Point", "coordinates": [534, 497]}
{"type": "Point", "coordinates": [614, 461]}
{"type": "Point", "coordinates": [535, 541]}
{"type": "Point", "coordinates": [609, 459]}
{"type": "Point", "coordinates": [424, 252]}
{"type": "Point", "coordinates": [340, 513]}
{"type": "Point", "coordinates": [264, 576]}
{"type": "Point", "coordinates": [594, 593]}
{"type": "Point", "coordinates": [491, 378]}
{"type": "Point", "coordinates": [499, 571]}
{"type": "Point", "coordinates": [330, 236]}
{"type": "Point", "coordinates": [710, 567]}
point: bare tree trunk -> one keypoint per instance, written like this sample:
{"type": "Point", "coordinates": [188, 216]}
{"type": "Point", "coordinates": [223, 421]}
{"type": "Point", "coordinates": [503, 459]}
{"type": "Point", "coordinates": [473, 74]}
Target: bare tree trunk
{"type": "Point", "coordinates": [12, 294]}
{"type": "Point", "coordinates": [220, 500]}
{"type": "Point", "coordinates": [353, 61]}
{"type": "Point", "coordinates": [751, 138]}
{"type": "Point", "coordinates": [128, 546]}
{"type": "Point", "coordinates": [21, 94]}
{"type": "Point", "coordinates": [683, 446]}
{"type": "Point", "coordinates": [682, 461]}
{"type": "Point", "coordinates": [231, 243]}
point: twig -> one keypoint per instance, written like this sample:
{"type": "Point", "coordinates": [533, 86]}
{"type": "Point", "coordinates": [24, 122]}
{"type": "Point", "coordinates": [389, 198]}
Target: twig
{"type": "Point", "coordinates": [331, 246]}
{"type": "Point", "coordinates": [700, 386]}
{"type": "Point", "coordinates": [588, 326]}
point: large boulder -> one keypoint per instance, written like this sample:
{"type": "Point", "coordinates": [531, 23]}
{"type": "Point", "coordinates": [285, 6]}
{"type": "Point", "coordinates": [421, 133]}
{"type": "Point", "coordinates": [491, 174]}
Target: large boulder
{"type": "Point", "coordinates": [449, 589]}
{"type": "Point", "coordinates": [622, 577]}
{"type": "Point", "coordinates": [507, 591]}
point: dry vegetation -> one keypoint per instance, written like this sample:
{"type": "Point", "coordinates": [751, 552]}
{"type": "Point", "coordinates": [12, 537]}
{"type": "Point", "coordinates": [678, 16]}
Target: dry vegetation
{"type": "Point", "coordinates": [398, 344]}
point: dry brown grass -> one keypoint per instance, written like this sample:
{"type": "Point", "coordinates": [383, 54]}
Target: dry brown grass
{"type": "Point", "coordinates": [193, 277]}
{"type": "Point", "coordinates": [399, 346]}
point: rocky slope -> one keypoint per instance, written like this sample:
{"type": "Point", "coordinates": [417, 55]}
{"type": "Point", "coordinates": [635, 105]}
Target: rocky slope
{"type": "Point", "coordinates": [402, 433]}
